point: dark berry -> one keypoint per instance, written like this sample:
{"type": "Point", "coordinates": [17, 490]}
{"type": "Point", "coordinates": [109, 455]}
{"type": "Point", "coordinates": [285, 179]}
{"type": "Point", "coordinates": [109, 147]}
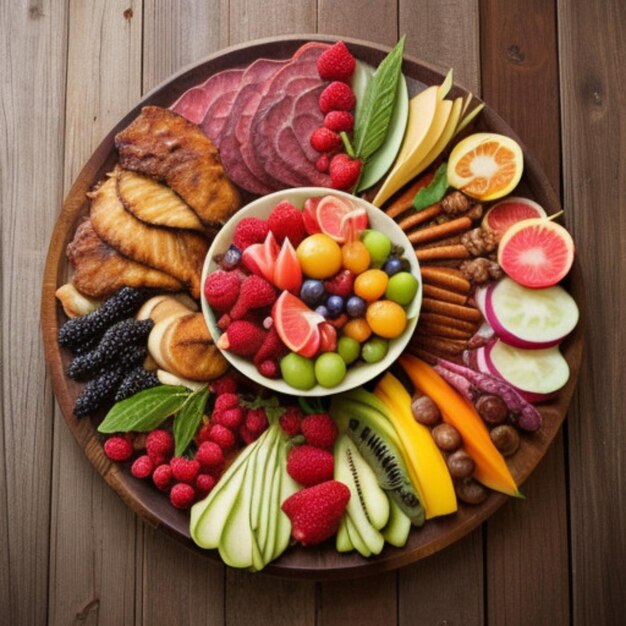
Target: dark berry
{"type": "Point", "coordinates": [98, 391]}
{"type": "Point", "coordinates": [393, 266]}
{"type": "Point", "coordinates": [312, 292]}
{"type": "Point", "coordinates": [322, 310]}
{"type": "Point", "coordinates": [355, 306]}
{"type": "Point", "coordinates": [231, 258]}
{"type": "Point", "coordinates": [138, 379]}
{"type": "Point", "coordinates": [334, 304]}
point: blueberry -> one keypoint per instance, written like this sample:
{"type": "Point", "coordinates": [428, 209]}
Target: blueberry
{"type": "Point", "coordinates": [231, 258]}
{"type": "Point", "coordinates": [312, 292]}
{"type": "Point", "coordinates": [393, 266]}
{"type": "Point", "coordinates": [322, 310]}
{"type": "Point", "coordinates": [334, 304]}
{"type": "Point", "coordinates": [355, 306]}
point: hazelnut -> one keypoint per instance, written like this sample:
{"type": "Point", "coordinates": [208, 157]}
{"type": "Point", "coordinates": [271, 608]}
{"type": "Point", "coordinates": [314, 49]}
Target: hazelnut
{"type": "Point", "coordinates": [447, 437]}
{"type": "Point", "coordinates": [506, 439]}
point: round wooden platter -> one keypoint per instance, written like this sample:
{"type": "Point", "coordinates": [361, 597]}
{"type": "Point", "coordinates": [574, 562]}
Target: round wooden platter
{"type": "Point", "coordinates": [322, 562]}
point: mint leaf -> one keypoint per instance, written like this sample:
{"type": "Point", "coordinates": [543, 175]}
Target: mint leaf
{"type": "Point", "coordinates": [434, 191]}
{"type": "Point", "coordinates": [374, 116]}
{"type": "Point", "coordinates": [145, 410]}
{"type": "Point", "coordinates": [188, 419]}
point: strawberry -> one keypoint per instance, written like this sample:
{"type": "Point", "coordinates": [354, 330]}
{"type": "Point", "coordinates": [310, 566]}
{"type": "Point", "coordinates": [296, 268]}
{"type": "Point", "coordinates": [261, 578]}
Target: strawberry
{"type": "Point", "coordinates": [337, 97]}
{"type": "Point", "coordinates": [315, 512]}
{"type": "Point", "coordinates": [256, 421]}
{"type": "Point", "coordinates": [250, 230]}
{"type": "Point", "coordinates": [290, 420]}
{"type": "Point", "coordinates": [319, 430]}
{"type": "Point", "coordinates": [284, 221]}
{"type": "Point", "coordinates": [344, 171]}
{"type": "Point", "coordinates": [242, 338]}
{"type": "Point", "coordinates": [309, 465]}
{"type": "Point", "coordinates": [255, 293]}
{"type": "Point", "coordinates": [321, 165]}
{"type": "Point", "coordinates": [272, 347]}
{"type": "Point", "coordinates": [339, 121]}
{"type": "Point", "coordinates": [221, 290]}
{"type": "Point", "coordinates": [325, 140]}
{"type": "Point", "coordinates": [341, 284]}
{"type": "Point", "coordinates": [336, 63]}
{"type": "Point", "coordinates": [269, 368]}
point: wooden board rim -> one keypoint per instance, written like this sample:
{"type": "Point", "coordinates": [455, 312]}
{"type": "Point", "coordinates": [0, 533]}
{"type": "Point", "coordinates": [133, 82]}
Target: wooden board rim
{"type": "Point", "coordinates": [310, 563]}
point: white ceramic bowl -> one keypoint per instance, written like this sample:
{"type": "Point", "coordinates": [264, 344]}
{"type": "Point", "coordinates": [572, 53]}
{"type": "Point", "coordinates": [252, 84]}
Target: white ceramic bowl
{"type": "Point", "coordinates": [261, 208]}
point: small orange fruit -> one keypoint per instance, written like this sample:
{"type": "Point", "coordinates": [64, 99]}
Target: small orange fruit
{"type": "Point", "coordinates": [386, 318]}
{"type": "Point", "coordinates": [357, 329]}
{"type": "Point", "coordinates": [371, 285]}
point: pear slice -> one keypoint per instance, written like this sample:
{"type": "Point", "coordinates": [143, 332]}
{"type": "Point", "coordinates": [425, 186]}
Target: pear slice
{"type": "Point", "coordinates": [355, 538]}
{"type": "Point", "coordinates": [444, 88]}
{"type": "Point", "coordinates": [343, 542]}
{"type": "Point", "coordinates": [261, 464]}
{"type": "Point", "coordinates": [288, 486]}
{"type": "Point", "coordinates": [270, 487]}
{"type": "Point", "coordinates": [396, 532]}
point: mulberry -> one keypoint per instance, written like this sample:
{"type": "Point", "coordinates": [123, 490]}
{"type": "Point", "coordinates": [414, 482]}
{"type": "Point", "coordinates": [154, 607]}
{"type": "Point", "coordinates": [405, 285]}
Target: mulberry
{"type": "Point", "coordinates": [123, 304]}
{"type": "Point", "coordinates": [136, 380]}
{"type": "Point", "coordinates": [98, 391]}
{"type": "Point", "coordinates": [116, 345]}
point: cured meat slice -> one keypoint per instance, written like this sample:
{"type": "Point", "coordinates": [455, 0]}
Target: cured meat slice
{"type": "Point", "coordinates": [196, 101]}
{"type": "Point", "coordinates": [217, 116]}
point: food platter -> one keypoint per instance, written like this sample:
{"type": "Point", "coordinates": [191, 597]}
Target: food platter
{"type": "Point", "coordinates": [312, 562]}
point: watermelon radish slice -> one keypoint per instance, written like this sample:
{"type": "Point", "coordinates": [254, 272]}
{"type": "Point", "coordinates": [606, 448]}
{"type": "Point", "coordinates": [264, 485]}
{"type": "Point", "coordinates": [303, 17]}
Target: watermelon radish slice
{"type": "Point", "coordinates": [528, 318]}
{"type": "Point", "coordinates": [535, 374]}
{"type": "Point", "coordinates": [536, 253]}
{"type": "Point", "coordinates": [510, 211]}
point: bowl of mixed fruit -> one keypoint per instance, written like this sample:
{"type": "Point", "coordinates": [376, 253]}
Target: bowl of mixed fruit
{"type": "Point", "coordinates": [311, 290]}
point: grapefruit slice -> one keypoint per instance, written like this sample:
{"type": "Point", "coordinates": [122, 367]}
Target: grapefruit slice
{"type": "Point", "coordinates": [536, 253]}
{"type": "Point", "coordinates": [297, 325]}
{"type": "Point", "coordinates": [330, 214]}
{"type": "Point", "coordinates": [309, 215]}
{"type": "Point", "coordinates": [287, 271]}
{"type": "Point", "coordinates": [486, 166]}
{"type": "Point", "coordinates": [510, 211]}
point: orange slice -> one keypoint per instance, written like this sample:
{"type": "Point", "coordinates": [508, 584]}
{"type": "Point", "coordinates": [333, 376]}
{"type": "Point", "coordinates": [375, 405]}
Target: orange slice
{"type": "Point", "coordinates": [486, 166]}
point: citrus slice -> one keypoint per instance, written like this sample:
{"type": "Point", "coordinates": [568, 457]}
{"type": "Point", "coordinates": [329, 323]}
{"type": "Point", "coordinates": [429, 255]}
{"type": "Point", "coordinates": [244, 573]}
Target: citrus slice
{"type": "Point", "coordinates": [330, 213]}
{"type": "Point", "coordinates": [536, 253]}
{"type": "Point", "coordinates": [297, 325]}
{"type": "Point", "coordinates": [486, 166]}
{"type": "Point", "coordinates": [510, 211]}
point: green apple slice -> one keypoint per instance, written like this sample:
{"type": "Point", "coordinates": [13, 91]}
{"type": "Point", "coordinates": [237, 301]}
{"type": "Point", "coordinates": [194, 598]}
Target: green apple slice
{"type": "Point", "coordinates": [396, 532]}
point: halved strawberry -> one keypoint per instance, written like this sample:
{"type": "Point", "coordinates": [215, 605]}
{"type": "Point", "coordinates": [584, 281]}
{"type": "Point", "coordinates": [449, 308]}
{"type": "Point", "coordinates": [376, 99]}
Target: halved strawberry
{"type": "Point", "coordinates": [260, 258]}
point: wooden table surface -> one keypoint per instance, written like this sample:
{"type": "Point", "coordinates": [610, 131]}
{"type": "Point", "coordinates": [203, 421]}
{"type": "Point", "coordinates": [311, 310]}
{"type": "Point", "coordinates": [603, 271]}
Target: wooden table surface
{"type": "Point", "coordinates": [73, 553]}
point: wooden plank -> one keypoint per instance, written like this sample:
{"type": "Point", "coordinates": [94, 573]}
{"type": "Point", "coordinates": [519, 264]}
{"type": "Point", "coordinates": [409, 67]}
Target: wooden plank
{"type": "Point", "coordinates": [527, 541]}
{"type": "Point", "coordinates": [592, 44]}
{"type": "Point", "coordinates": [446, 34]}
{"type": "Point", "coordinates": [179, 586]}
{"type": "Point", "coordinates": [371, 600]}
{"type": "Point", "coordinates": [93, 549]}
{"type": "Point", "coordinates": [32, 81]}
{"type": "Point", "coordinates": [177, 34]}
{"type": "Point", "coordinates": [446, 587]}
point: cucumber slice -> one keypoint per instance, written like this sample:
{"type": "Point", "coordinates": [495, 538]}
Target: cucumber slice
{"type": "Point", "coordinates": [398, 527]}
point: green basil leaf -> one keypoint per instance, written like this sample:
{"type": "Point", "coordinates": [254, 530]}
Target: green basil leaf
{"type": "Point", "coordinates": [144, 411]}
{"type": "Point", "coordinates": [374, 116]}
{"type": "Point", "coordinates": [188, 419]}
{"type": "Point", "coordinates": [434, 191]}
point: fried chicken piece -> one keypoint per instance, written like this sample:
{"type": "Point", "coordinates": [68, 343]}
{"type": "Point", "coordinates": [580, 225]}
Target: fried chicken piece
{"type": "Point", "coordinates": [164, 145]}
{"type": "Point", "coordinates": [179, 253]}
{"type": "Point", "coordinates": [155, 203]}
{"type": "Point", "coordinates": [99, 270]}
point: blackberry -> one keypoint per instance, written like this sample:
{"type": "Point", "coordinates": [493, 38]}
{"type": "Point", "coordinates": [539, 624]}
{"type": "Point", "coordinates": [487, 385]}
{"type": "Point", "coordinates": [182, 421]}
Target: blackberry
{"type": "Point", "coordinates": [136, 380]}
{"type": "Point", "coordinates": [116, 345]}
{"type": "Point", "coordinates": [123, 304]}
{"type": "Point", "coordinates": [98, 391]}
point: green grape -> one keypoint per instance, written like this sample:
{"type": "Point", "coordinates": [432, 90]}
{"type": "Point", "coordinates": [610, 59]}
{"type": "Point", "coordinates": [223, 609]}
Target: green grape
{"type": "Point", "coordinates": [374, 350]}
{"type": "Point", "coordinates": [349, 349]}
{"type": "Point", "coordinates": [402, 288]}
{"type": "Point", "coordinates": [330, 369]}
{"type": "Point", "coordinates": [378, 245]}
{"type": "Point", "coordinates": [298, 371]}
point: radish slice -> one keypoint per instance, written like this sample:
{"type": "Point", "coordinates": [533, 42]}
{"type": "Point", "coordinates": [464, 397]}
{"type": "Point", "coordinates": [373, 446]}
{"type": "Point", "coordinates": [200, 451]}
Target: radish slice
{"type": "Point", "coordinates": [480, 297]}
{"type": "Point", "coordinates": [510, 211]}
{"type": "Point", "coordinates": [537, 372]}
{"type": "Point", "coordinates": [529, 318]}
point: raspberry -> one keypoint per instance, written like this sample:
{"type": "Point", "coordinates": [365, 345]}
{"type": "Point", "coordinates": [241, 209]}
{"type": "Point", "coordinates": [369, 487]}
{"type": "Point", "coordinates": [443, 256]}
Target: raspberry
{"type": "Point", "coordinates": [209, 455]}
{"type": "Point", "coordinates": [182, 495]}
{"type": "Point", "coordinates": [290, 420]}
{"type": "Point", "coordinates": [272, 347]}
{"type": "Point", "coordinates": [309, 465]}
{"type": "Point", "coordinates": [315, 512]}
{"type": "Point", "coordinates": [337, 97]}
{"type": "Point", "coordinates": [203, 434]}
{"type": "Point", "coordinates": [242, 338]}
{"type": "Point", "coordinates": [336, 63]}
{"type": "Point", "coordinates": [226, 401]}
{"type": "Point", "coordinates": [225, 384]}
{"type": "Point", "coordinates": [321, 165]}
{"type": "Point", "coordinates": [162, 477]}
{"type": "Point", "coordinates": [325, 140]}
{"type": "Point", "coordinates": [118, 448]}
{"type": "Point", "coordinates": [339, 121]}
{"type": "Point", "coordinates": [284, 221]}
{"type": "Point", "coordinates": [221, 290]}
{"type": "Point", "coordinates": [319, 430]}
{"type": "Point", "coordinates": [250, 230]}
{"type": "Point", "coordinates": [223, 437]}
{"type": "Point", "coordinates": [224, 322]}
{"type": "Point", "coordinates": [256, 421]}
{"type": "Point", "coordinates": [204, 484]}
{"type": "Point", "coordinates": [268, 368]}
{"type": "Point", "coordinates": [231, 418]}
{"type": "Point", "coordinates": [344, 171]}
{"type": "Point", "coordinates": [255, 293]}
{"type": "Point", "coordinates": [142, 467]}
{"type": "Point", "coordinates": [184, 470]}
{"type": "Point", "coordinates": [246, 436]}
{"type": "Point", "coordinates": [159, 446]}
{"type": "Point", "coordinates": [341, 284]}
